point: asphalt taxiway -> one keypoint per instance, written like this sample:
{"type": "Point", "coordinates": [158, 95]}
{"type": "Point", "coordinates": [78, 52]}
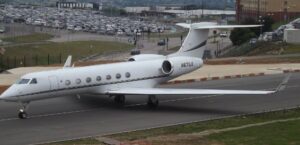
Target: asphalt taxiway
{"type": "Point", "coordinates": [69, 118]}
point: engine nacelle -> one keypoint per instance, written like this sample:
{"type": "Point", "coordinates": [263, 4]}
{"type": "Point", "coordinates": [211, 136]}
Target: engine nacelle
{"type": "Point", "coordinates": [167, 67]}
{"type": "Point", "coordinates": [176, 66]}
{"type": "Point", "coordinates": [145, 57]}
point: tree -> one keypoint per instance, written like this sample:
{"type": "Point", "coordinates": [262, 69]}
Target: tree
{"type": "Point", "coordinates": [268, 23]}
{"type": "Point", "coordinates": [240, 36]}
{"type": "Point", "coordinates": [251, 21]}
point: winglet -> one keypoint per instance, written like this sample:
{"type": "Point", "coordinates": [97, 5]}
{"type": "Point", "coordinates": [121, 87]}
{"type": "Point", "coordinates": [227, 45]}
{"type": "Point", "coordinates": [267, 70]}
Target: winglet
{"type": "Point", "coordinates": [283, 84]}
{"type": "Point", "coordinates": [68, 62]}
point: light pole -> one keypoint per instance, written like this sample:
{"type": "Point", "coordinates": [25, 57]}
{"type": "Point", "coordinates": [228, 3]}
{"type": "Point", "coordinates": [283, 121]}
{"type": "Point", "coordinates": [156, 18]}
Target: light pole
{"type": "Point", "coordinates": [261, 22]}
{"type": "Point", "coordinates": [280, 15]}
{"type": "Point", "coordinates": [287, 9]}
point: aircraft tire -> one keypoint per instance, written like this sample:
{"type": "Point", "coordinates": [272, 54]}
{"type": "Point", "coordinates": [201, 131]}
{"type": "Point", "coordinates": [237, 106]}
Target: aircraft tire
{"type": "Point", "coordinates": [120, 99]}
{"type": "Point", "coordinates": [22, 115]}
{"type": "Point", "coordinates": [152, 102]}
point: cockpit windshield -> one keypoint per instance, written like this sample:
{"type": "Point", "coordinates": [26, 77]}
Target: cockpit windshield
{"type": "Point", "coordinates": [26, 81]}
{"type": "Point", "coordinates": [23, 81]}
{"type": "Point", "coordinates": [33, 81]}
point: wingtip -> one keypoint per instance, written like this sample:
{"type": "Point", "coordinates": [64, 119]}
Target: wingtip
{"type": "Point", "coordinates": [283, 84]}
{"type": "Point", "coordinates": [1, 98]}
{"type": "Point", "coordinates": [68, 62]}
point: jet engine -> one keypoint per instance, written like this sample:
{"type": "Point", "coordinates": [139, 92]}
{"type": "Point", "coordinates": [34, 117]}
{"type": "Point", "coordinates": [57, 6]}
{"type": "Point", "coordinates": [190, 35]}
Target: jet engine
{"type": "Point", "coordinates": [167, 67]}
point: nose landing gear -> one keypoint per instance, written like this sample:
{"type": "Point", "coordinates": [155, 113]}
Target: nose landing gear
{"type": "Point", "coordinates": [22, 112]}
{"type": "Point", "coordinates": [152, 102]}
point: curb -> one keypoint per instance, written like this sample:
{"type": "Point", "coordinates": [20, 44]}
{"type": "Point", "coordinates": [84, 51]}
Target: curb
{"type": "Point", "coordinates": [226, 77]}
{"type": "Point", "coordinates": [291, 71]}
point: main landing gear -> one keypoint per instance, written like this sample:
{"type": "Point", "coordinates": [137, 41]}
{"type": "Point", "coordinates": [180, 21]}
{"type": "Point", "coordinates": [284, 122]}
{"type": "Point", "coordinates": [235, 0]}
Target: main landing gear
{"type": "Point", "coordinates": [152, 102]}
{"type": "Point", "coordinates": [22, 113]}
{"type": "Point", "coordinates": [120, 99]}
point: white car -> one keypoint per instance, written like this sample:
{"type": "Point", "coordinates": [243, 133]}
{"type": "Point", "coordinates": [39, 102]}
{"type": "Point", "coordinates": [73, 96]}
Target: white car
{"type": "Point", "coordinates": [2, 30]}
{"type": "Point", "coordinates": [120, 32]}
{"type": "Point", "coordinates": [253, 41]}
{"type": "Point", "coordinates": [223, 34]}
{"type": "Point", "coordinates": [78, 28]}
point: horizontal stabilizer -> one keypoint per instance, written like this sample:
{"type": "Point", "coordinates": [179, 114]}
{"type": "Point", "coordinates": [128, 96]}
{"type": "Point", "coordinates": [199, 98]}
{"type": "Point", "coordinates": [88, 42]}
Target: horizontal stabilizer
{"type": "Point", "coordinates": [195, 42]}
{"type": "Point", "coordinates": [211, 25]}
{"type": "Point", "coordinates": [283, 84]}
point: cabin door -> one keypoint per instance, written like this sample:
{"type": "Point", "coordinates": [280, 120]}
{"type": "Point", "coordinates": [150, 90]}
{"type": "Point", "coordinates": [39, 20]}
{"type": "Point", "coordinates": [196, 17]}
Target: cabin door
{"type": "Point", "coordinates": [53, 83]}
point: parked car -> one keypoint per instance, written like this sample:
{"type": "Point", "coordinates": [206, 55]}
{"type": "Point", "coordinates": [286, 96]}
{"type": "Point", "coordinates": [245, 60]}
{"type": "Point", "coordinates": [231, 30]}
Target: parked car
{"type": "Point", "coordinates": [135, 51]}
{"type": "Point", "coordinates": [223, 34]}
{"type": "Point", "coordinates": [161, 42]}
{"type": "Point", "coordinates": [268, 36]}
{"type": "Point", "coordinates": [2, 29]}
{"type": "Point", "coordinates": [78, 28]}
{"type": "Point", "coordinates": [253, 41]}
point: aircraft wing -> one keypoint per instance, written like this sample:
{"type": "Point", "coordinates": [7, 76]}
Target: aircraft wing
{"type": "Point", "coordinates": [168, 91]}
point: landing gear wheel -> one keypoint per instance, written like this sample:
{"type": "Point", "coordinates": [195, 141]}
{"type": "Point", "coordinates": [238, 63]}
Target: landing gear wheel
{"type": "Point", "coordinates": [152, 102]}
{"type": "Point", "coordinates": [22, 114]}
{"type": "Point", "coordinates": [120, 99]}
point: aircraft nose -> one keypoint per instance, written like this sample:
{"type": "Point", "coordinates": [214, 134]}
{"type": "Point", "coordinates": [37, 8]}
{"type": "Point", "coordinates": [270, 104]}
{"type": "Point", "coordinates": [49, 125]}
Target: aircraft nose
{"type": "Point", "coordinates": [6, 94]}
{"type": "Point", "coordinates": [3, 96]}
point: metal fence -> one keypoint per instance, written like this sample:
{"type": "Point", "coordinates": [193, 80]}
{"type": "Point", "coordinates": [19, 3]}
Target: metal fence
{"type": "Point", "coordinates": [9, 62]}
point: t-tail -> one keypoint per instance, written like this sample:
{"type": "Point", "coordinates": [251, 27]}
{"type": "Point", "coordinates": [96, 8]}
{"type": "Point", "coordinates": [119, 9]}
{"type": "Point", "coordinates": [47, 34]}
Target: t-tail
{"type": "Point", "coordinates": [197, 38]}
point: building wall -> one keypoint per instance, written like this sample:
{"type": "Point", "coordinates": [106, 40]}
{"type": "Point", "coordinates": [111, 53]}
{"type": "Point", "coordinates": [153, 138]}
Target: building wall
{"type": "Point", "coordinates": [77, 5]}
{"type": "Point", "coordinates": [279, 9]}
{"type": "Point", "coordinates": [292, 36]}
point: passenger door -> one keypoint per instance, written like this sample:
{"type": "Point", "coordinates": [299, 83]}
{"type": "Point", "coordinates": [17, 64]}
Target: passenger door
{"type": "Point", "coordinates": [53, 80]}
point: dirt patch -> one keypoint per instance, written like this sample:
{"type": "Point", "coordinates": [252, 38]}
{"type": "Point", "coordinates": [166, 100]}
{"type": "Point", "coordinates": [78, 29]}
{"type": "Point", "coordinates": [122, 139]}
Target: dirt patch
{"type": "Point", "coordinates": [3, 88]}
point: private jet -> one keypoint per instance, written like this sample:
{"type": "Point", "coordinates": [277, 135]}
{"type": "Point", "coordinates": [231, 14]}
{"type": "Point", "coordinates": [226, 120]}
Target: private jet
{"type": "Point", "coordinates": [140, 75]}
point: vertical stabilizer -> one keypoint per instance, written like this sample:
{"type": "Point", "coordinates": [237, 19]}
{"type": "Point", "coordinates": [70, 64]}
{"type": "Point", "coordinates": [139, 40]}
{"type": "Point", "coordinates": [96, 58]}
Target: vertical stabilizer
{"type": "Point", "coordinates": [195, 42]}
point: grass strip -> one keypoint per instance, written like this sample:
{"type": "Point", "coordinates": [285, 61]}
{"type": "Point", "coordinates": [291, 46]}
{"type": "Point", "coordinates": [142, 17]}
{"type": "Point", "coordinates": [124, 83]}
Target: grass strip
{"type": "Point", "coordinates": [207, 125]}
{"type": "Point", "coordinates": [36, 37]}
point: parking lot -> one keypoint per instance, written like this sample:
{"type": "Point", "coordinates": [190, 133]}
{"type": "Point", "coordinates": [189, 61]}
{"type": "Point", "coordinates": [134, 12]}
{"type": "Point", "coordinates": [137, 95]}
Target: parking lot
{"type": "Point", "coordinates": [78, 20]}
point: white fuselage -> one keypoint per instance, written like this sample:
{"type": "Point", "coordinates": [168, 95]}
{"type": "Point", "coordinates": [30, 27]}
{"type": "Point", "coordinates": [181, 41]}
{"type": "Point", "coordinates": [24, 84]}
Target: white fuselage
{"type": "Point", "coordinates": [99, 79]}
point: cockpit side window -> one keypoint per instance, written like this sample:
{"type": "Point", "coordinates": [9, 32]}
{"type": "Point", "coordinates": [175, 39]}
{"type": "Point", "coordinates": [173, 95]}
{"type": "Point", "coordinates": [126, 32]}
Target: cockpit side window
{"type": "Point", "coordinates": [23, 81]}
{"type": "Point", "coordinates": [33, 81]}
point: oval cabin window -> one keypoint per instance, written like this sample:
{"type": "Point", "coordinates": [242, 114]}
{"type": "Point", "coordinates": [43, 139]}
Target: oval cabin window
{"type": "Point", "coordinates": [88, 80]}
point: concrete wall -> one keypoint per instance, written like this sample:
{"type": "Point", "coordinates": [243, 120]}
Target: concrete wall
{"type": "Point", "coordinates": [292, 36]}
